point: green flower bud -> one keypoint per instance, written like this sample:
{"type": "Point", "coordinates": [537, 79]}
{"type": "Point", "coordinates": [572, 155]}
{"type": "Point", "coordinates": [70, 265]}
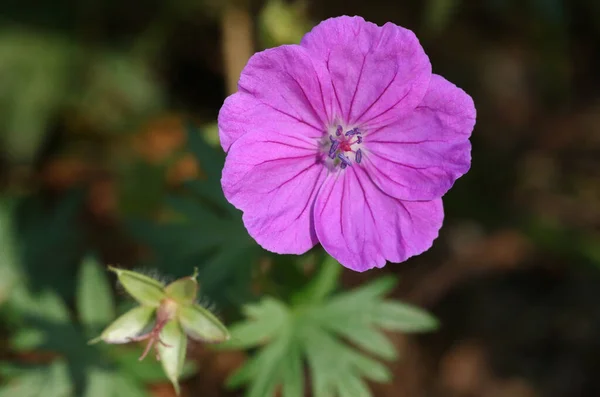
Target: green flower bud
{"type": "Point", "coordinates": [200, 324]}
{"type": "Point", "coordinates": [125, 328]}
{"type": "Point", "coordinates": [147, 291]}
{"type": "Point", "coordinates": [183, 290]}
{"type": "Point", "coordinates": [171, 350]}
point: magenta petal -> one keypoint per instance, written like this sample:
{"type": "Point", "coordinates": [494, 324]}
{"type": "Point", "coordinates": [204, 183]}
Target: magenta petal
{"type": "Point", "coordinates": [362, 227]}
{"type": "Point", "coordinates": [274, 180]}
{"type": "Point", "coordinates": [420, 156]}
{"type": "Point", "coordinates": [378, 73]}
{"type": "Point", "coordinates": [287, 79]}
{"type": "Point", "coordinates": [242, 113]}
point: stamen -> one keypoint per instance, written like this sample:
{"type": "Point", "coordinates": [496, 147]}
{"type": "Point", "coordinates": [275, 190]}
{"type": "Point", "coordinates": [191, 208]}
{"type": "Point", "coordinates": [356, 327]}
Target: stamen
{"type": "Point", "coordinates": [358, 156]}
{"type": "Point", "coordinates": [353, 131]}
{"type": "Point", "coordinates": [345, 160]}
{"type": "Point", "coordinates": [341, 143]}
{"type": "Point", "coordinates": [333, 148]}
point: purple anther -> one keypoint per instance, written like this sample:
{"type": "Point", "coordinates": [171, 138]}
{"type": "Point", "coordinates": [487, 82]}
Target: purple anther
{"type": "Point", "coordinates": [358, 156]}
{"type": "Point", "coordinates": [359, 139]}
{"type": "Point", "coordinates": [343, 165]}
{"type": "Point", "coordinates": [345, 160]}
{"type": "Point", "coordinates": [339, 130]}
{"type": "Point", "coordinates": [331, 138]}
{"type": "Point", "coordinates": [353, 131]}
{"type": "Point", "coordinates": [333, 149]}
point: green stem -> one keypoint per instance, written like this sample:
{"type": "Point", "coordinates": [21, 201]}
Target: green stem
{"type": "Point", "coordinates": [322, 285]}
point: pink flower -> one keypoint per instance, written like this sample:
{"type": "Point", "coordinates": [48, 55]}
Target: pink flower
{"type": "Point", "coordinates": [347, 139]}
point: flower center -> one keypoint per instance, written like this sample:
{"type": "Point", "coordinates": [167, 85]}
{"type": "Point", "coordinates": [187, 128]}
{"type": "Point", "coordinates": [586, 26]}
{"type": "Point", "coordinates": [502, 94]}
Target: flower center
{"type": "Point", "coordinates": [345, 146]}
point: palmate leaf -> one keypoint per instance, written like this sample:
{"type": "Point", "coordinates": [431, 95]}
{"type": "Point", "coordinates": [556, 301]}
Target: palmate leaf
{"type": "Point", "coordinates": [315, 330]}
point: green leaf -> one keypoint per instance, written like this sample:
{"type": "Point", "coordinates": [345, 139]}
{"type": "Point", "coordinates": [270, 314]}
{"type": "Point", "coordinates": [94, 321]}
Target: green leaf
{"type": "Point", "coordinates": [172, 351]}
{"type": "Point", "coordinates": [99, 384]}
{"type": "Point", "coordinates": [267, 317]}
{"type": "Point", "coordinates": [397, 316]}
{"type": "Point", "coordinates": [35, 74]}
{"type": "Point", "coordinates": [51, 381]}
{"type": "Point", "coordinates": [127, 326]}
{"type": "Point", "coordinates": [44, 306]}
{"type": "Point", "coordinates": [269, 364]}
{"type": "Point", "coordinates": [27, 339]}
{"type": "Point", "coordinates": [293, 372]}
{"type": "Point", "coordinates": [95, 302]}
{"type": "Point", "coordinates": [27, 385]}
{"type": "Point", "coordinates": [147, 291]}
{"type": "Point", "coordinates": [314, 330]}
{"type": "Point", "coordinates": [365, 337]}
{"type": "Point", "coordinates": [200, 324]}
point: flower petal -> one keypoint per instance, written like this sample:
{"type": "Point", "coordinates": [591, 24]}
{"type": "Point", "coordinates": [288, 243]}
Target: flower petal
{"type": "Point", "coordinates": [420, 156]}
{"type": "Point", "coordinates": [378, 73]}
{"type": "Point", "coordinates": [362, 227]}
{"type": "Point", "coordinates": [281, 85]}
{"type": "Point", "coordinates": [274, 178]}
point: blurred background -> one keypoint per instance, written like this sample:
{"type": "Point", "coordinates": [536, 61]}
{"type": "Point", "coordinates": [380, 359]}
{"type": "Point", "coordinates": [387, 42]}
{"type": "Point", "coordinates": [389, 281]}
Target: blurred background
{"type": "Point", "coordinates": [109, 155]}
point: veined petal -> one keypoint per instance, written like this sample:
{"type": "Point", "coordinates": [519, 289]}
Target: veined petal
{"type": "Point", "coordinates": [280, 85]}
{"type": "Point", "coordinates": [274, 179]}
{"type": "Point", "coordinates": [243, 112]}
{"type": "Point", "coordinates": [420, 156]}
{"type": "Point", "coordinates": [362, 227]}
{"type": "Point", "coordinates": [378, 73]}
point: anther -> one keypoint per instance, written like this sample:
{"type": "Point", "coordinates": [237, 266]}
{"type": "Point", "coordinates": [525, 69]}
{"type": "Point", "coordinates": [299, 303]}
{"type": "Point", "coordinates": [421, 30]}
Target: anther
{"type": "Point", "coordinates": [339, 130]}
{"type": "Point", "coordinates": [353, 131]}
{"type": "Point", "coordinates": [333, 148]}
{"type": "Point", "coordinates": [345, 160]}
{"type": "Point", "coordinates": [359, 139]}
{"type": "Point", "coordinates": [358, 156]}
